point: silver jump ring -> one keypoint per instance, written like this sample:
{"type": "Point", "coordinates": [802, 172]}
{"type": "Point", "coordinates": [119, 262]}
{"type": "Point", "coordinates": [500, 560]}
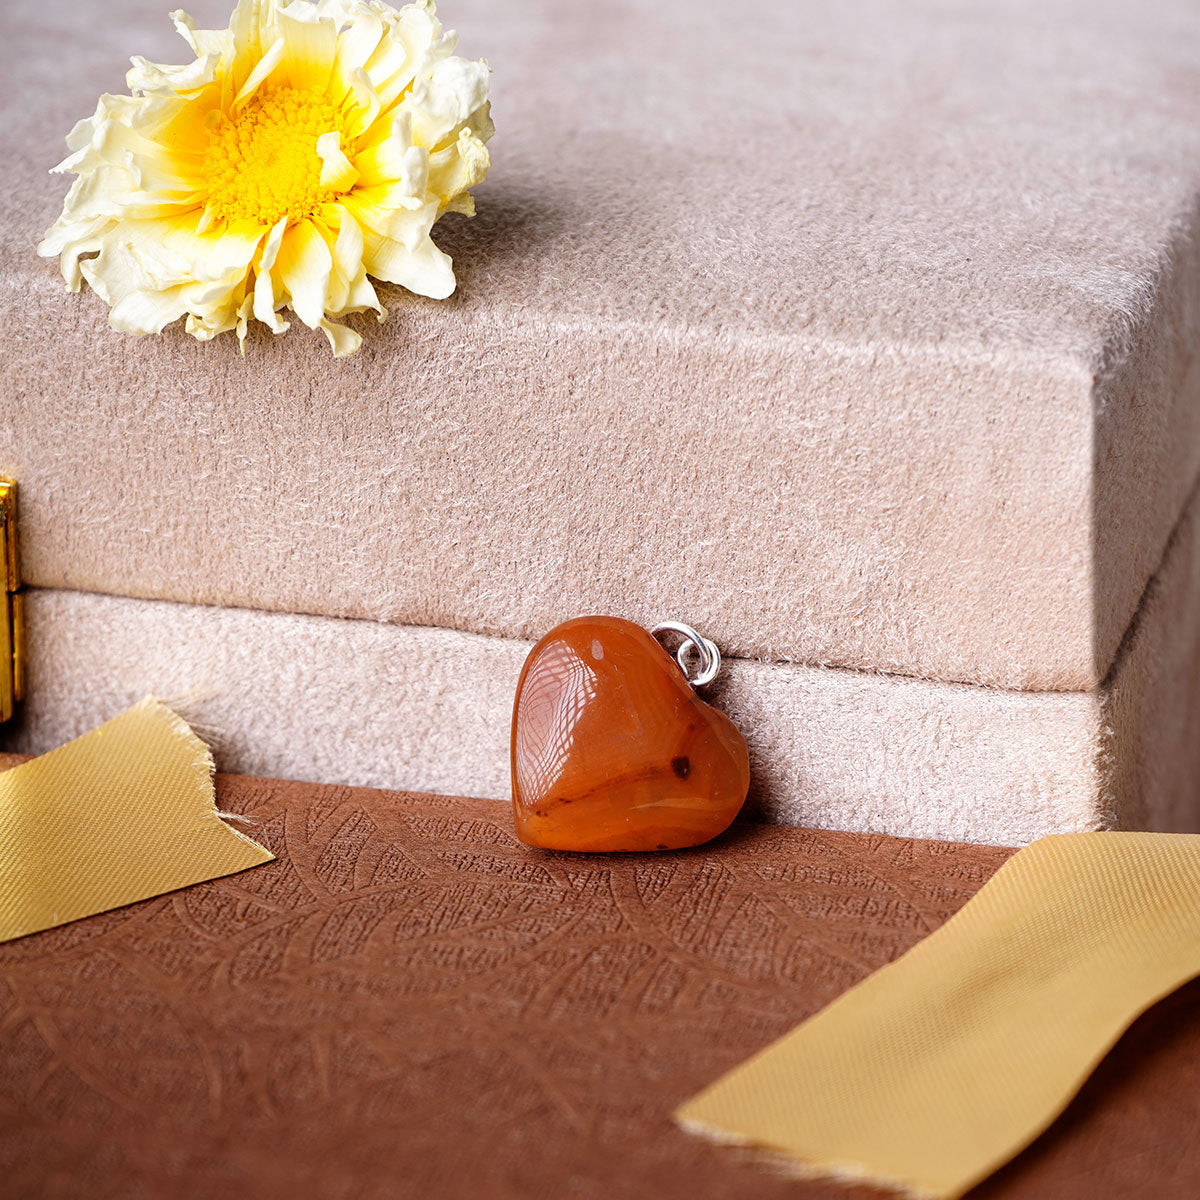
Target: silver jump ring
{"type": "Point", "coordinates": [709, 655]}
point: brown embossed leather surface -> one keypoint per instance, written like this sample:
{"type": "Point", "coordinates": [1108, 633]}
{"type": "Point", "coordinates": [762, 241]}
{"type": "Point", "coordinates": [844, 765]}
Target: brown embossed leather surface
{"type": "Point", "coordinates": [409, 1003]}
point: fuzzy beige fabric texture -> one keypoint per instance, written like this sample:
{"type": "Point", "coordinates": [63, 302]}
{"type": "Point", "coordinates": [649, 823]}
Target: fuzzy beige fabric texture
{"type": "Point", "coordinates": [425, 709]}
{"type": "Point", "coordinates": [857, 334]}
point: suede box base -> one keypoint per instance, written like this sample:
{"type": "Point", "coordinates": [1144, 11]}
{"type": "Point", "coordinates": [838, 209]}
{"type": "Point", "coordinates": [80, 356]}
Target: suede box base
{"type": "Point", "coordinates": [862, 336]}
{"type": "Point", "coordinates": [863, 332]}
{"type": "Point", "coordinates": [351, 701]}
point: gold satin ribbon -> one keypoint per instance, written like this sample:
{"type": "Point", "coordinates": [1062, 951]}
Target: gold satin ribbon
{"type": "Point", "coordinates": [937, 1069]}
{"type": "Point", "coordinates": [121, 814]}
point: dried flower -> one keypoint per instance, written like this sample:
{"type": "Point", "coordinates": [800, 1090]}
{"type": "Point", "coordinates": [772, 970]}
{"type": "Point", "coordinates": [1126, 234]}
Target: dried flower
{"type": "Point", "coordinates": [308, 146]}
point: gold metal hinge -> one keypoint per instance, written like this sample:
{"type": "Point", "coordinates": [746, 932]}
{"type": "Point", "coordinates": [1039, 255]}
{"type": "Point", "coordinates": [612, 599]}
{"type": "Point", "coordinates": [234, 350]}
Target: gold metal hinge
{"type": "Point", "coordinates": [12, 664]}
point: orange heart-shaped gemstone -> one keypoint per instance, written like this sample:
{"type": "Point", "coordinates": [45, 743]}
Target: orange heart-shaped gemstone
{"type": "Point", "coordinates": [613, 750]}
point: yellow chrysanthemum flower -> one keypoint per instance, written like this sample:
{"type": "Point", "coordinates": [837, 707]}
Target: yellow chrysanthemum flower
{"type": "Point", "coordinates": [307, 146]}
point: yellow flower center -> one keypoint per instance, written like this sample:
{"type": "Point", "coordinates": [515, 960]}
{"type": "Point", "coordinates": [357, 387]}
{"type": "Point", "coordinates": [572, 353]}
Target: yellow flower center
{"type": "Point", "coordinates": [262, 164]}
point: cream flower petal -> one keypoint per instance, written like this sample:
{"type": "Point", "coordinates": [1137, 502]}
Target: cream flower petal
{"type": "Point", "coordinates": [226, 312]}
{"type": "Point", "coordinates": [266, 304]}
{"type": "Point", "coordinates": [395, 159]}
{"type": "Point", "coordinates": [443, 99]}
{"type": "Point", "coordinates": [141, 164]}
{"type": "Point", "coordinates": [367, 105]}
{"type": "Point", "coordinates": [357, 41]}
{"type": "Point", "coordinates": [242, 324]}
{"type": "Point", "coordinates": [157, 256]}
{"type": "Point", "coordinates": [147, 312]}
{"type": "Point", "coordinates": [145, 76]}
{"type": "Point", "coordinates": [82, 241]}
{"type": "Point", "coordinates": [310, 48]}
{"type": "Point", "coordinates": [453, 170]}
{"type": "Point", "coordinates": [246, 26]}
{"type": "Point", "coordinates": [202, 41]}
{"type": "Point", "coordinates": [263, 70]}
{"type": "Point", "coordinates": [346, 247]}
{"type": "Point", "coordinates": [141, 310]}
{"type": "Point", "coordinates": [270, 247]}
{"type": "Point", "coordinates": [303, 147]}
{"type": "Point", "coordinates": [392, 209]}
{"type": "Point", "coordinates": [71, 238]}
{"type": "Point", "coordinates": [361, 297]}
{"type": "Point", "coordinates": [423, 269]}
{"type": "Point", "coordinates": [415, 40]}
{"type": "Point", "coordinates": [265, 301]}
{"type": "Point", "coordinates": [360, 31]}
{"type": "Point", "coordinates": [403, 220]}
{"type": "Point", "coordinates": [304, 265]}
{"type": "Point", "coordinates": [337, 171]}
{"type": "Point", "coordinates": [343, 340]}
{"type": "Point", "coordinates": [349, 288]}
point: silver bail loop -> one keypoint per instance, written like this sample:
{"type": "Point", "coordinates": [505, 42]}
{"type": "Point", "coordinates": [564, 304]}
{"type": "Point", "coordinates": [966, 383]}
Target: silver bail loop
{"type": "Point", "coordinates": [708, 654]}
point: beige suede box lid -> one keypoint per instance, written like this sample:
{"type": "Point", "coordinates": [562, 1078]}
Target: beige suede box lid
{"type": "Point", "coordinates": [857, 334]}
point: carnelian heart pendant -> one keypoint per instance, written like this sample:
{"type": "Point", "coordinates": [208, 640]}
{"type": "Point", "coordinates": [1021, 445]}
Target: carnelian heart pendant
{"type": "Point", "coordinates": [613, 750]}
